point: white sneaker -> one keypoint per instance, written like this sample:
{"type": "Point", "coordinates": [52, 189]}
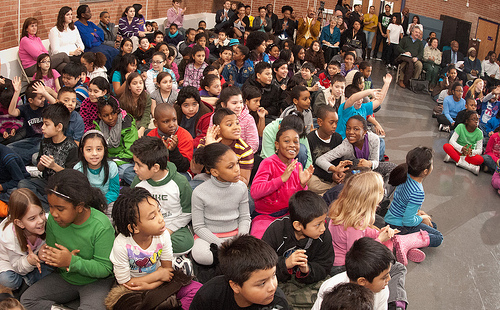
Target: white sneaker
{"type": "Point", "coordinates": [444, 128]}
{"type": "Point", "coordinates": [59, 307]}
{"type": "Point", "coordinates": [183, 264]}
{"type": "Point", "coordinates": [463, 164]}
{"type": "Point", "coordinates": [447, 158]}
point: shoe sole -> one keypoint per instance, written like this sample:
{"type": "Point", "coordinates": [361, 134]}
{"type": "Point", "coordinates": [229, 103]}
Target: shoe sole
{"type": "Point", "coordinates": [416, 255]}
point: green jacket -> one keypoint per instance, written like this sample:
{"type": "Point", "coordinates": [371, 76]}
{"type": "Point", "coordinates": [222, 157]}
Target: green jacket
{"type": "Point", "coordinates": [415, 48]}
{"type": "Point", "coordinates": [122, 154]}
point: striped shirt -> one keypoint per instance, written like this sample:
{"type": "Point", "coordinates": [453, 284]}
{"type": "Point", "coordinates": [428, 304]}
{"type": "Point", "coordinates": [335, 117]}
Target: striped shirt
{"type": "Point", "coordinates": [242, 150]}
{"type": "Point", "coordinates": [408, 198]}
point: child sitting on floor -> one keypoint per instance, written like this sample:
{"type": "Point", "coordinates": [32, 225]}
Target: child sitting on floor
{"type": "Point", "coordinates": [325, 77]}
{"type": "Point", "coordinates": [278, 178]}
{"type": "Point", "coordinates": [244, 261]}
{"type": "Point", "coordinates": [303, 245]}
{"type": "Point", "coordinates": [177, 139]}
{"type": "Point", "coordinates": [76, 126]}
{"type": "Point", "coordinates": [301, 99]}
{"type": "Point", "coordinates": [120, 132]}
{"type": "Point", "coordinates": [466, 144]}
{"type": "Point", "coordinates": [220, 204]}
{"type": "Point", "coordinates": [159, 176]}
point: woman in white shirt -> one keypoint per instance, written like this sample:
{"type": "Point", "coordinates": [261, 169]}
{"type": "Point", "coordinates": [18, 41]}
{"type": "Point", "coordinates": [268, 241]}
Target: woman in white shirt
{"type": "Point", "coordinates": [415, 23]}
{"type": "Point", "coordinates": [394, 34]}
{"type": "Point", "coordinates": [64, 37]}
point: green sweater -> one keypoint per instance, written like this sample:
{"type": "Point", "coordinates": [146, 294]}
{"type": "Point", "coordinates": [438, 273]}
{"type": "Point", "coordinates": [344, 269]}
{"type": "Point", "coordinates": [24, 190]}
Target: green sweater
{"type": "Point", "coordinates": [94, 239]}
{"type": "Point", "coordinates": [122, 154]}
{"type": "Point", "coordinates": [415, 48]}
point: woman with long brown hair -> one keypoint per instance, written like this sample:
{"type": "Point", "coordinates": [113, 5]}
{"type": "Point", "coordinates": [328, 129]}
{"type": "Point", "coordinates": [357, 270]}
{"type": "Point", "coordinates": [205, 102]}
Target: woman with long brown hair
{"type": "Point", "coordinates": [64, 37]}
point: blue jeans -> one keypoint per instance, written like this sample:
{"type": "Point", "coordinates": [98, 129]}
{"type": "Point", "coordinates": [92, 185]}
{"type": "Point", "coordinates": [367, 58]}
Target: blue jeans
{"type": "Point", "coordinates": [382, 149]}
{"type": "Point", "coordinates": [126, 173]}
{"type": "Point", "coordinates": [26, 148]}
{"type": "Point", "coordinates": [37, 186]}
{"type": "Point", "coordinates": [436, 238]}
{"type": "Point", "coordinates": [369, 38]}
{"type": "Point", "coordinates": [14, 280]}
{"type": "Point", "coordinates": [302, 156]}
{"type": "Point", "coordinates": [489, 162]}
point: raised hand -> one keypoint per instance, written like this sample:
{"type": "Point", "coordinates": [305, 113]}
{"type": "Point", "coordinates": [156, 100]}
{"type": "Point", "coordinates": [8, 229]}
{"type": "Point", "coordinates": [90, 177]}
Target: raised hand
{"type": "Point", "coordinates": [288, 171]}
{"type": "Point", "coordinates": [212, 135]}
{"type": "Point", "coordinates": [59, 256]}
{"type": "Point", "coordinates": [305, 175]}
{"type": "Point", "coordinates": [387, 78]}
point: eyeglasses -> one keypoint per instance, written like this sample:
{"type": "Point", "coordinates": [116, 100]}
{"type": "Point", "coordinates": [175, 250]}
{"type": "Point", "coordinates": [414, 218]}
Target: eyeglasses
{"type": "Point", "coordinates": [157, 62]}
{"type": "Point", "coordinates": [45, 62]}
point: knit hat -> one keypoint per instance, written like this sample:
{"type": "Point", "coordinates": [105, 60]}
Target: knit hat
{"type": "Point", "coordinates": [234, 42]}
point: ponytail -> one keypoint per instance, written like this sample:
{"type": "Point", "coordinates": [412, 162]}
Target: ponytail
{"type": "Point", "coordinates": [398, 175]}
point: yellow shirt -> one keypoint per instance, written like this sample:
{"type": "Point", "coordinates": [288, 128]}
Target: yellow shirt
{"type": "Point", "coordinates": [370, 23]}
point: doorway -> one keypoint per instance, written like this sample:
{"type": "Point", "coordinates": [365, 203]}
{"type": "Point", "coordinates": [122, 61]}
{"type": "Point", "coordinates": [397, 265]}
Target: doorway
{"type": "Point", "coordinates": [487, 32]}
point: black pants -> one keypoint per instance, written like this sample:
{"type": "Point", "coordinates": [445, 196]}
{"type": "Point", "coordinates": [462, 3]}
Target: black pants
{"type": "Point", "coordinates": [379, 40]}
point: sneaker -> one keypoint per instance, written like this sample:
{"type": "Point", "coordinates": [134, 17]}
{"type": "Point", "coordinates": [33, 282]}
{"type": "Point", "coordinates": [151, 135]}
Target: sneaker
{"type": "Point", "coordinates": [447, 158]}
{"type": "Point", "coordinates": [59, 307]}
{"type": "Point", "coordinates": [444, 128]}
{"type": "Point", "coordinates": [388, 67]}
{"type": "Point", "coordinates": [379, 59]}
{"type": "Point", "coordinates": [416, 255]}
{"type": "Point", "coordinates": [183, 264]}
{"type": "Point", "coordinates": [394, 68]}
{"type": "Point", "coordinates": [34, 172]}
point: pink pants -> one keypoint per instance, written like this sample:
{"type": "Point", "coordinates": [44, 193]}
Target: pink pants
{"type": "Point", "coordinates": [475, 160]}
{"type": "Point", "coordinates": [186, 294]}
{"type": "Point", "coordinates": [260, 223]}
{"type": "Point", "coordinates": [495, 181]}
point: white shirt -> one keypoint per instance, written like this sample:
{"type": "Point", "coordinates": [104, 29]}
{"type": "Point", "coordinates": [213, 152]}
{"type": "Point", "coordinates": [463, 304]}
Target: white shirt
{"type": "Point", "coordinates": [417, 25]}
{"type": "Point", "coordinates": [380, 297]}
{"type": "Point", "coordinates": [131, 261]}
{"type": "Point", "coordinates": [395, 32]}
{"type": "Point", "coordinates": [66, 41]}
{"type": "Point", "coordinates": [488, 68]}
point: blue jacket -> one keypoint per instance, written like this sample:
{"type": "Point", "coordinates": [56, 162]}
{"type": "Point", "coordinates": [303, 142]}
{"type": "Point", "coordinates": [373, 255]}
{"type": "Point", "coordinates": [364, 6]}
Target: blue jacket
{"type": "Point", "coordinates": [91, 35]}
{"type": "Point", "coordinates": [239, 76]}
{"type": "Point", "coordinates": [329, 37]}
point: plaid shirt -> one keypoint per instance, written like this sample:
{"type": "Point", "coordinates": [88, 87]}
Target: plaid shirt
{"type": "Point", "coordinates": [192, 76]}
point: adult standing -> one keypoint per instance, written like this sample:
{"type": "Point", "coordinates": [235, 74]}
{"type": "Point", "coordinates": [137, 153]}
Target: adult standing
{"type": "Point", "coordinates": [223, 16]}
{"type": "Point", "coordinates": [404, 18]}
{"type": "Point", "coordinates": [411, 53]}
{"type": "Point", "coordinates": [356, 15]}
{"type": "Point", "coordinates": [93, 36]}
{"type": "Point", "coordinates": [370, 22]}
{"type": "Point", "coordinates": [432, 62]}
{"type": "Point", "coordinates": [64, 37]}
{"type": "Point", "coordinates": [355, 38]}
{"type": "Point", "coordinates": [30, 47]}
{"type": "Point", "coordinates": [330, 39]}
{"type": "Point", "coordinates": [262, 22]}
{"type": "Point", "coordinates": [175, 15]}
{"type": "Point", "coordinates": [128, 26]}
{"type": "Point", "coordinates": [308, 29]}
{"type": "Point", "coordinates": [271, 15]}
{"type": "Point", "coordinates": [384, 20]}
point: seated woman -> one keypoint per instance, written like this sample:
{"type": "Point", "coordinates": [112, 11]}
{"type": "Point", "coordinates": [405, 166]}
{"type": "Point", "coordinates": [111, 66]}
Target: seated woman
{"type": "Point", "coordinates": [472, 65]}
{"type": "Point", "coordinates": [31, 47]}
{"type": "Point", "coordinates": [360, 148]}
{"type": "Point", "coordinates": [128, 26]}
{"type": "Point", "coordinates": [93, 36]}
{"type": "Point", "coordinates": [330, 39]}
{"type": "Point", "coordinates": [64, 37]}
{"type": "Point", "coordinates": [354, 38]}
{"type": "Point", "coordinates": [432, 62]}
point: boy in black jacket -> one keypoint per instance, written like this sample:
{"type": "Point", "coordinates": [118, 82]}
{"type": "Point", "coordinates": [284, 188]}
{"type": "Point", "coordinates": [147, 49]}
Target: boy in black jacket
{"type": "Point", "coordinates": [304, 247]}
{"type": "Point", "coordinates": [271, 94]}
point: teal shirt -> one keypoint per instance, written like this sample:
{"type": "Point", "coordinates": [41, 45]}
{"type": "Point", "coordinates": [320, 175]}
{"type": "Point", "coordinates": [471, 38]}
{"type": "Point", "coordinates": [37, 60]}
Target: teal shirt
{"type": "Point", "coordinates": [94, 239]}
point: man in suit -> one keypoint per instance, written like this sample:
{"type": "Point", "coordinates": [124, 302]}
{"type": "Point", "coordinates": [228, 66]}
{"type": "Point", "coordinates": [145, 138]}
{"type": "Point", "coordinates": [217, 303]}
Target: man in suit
{"type": "Point", "coordinates": [222, 17]}
{"type": "Point", "coordinates": [309, 29]}
{"type": "Point", "coordinates": [452, 57]}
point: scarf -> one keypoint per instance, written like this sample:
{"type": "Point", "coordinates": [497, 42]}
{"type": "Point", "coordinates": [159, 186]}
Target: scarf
{"type": "Point", "coordinates": [365, 150]}
{"type": "Point", "coordinates": [112, 135]}
{"type": "Point", "coordinates": [173, 35]}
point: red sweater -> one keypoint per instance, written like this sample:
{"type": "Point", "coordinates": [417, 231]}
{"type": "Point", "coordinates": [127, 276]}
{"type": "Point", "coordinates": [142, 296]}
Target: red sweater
{"type": "Point", "coordinates": [183, 154]}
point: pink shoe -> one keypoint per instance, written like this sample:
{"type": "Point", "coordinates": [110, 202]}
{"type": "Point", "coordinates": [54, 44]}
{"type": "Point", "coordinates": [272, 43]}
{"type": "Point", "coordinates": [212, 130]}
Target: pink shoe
{"type": "Point", "coordinates": [416, 255]}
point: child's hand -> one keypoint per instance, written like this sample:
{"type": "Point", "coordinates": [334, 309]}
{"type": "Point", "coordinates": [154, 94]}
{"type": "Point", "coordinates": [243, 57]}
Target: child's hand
{"type": "Point", "coordinates": [338, 177]}
{"type": "Point", "coordinates": [140, 286]}
{"type": "Point", "coordinates": [212, 134]}
{"type": "Point", "coordinates": [261, 112]}
{"type": "Point", "coordinates": [58, 257]}
{"type": "Point", "coordinates": [314, 88]}
{"type": "Point", "coordinates": [379, 130]}
{"type": "Point", "coordinates": [305, 175]}
{"type": "Point", "coordinates": [386, 233]}
{"type": "Point", "coordinates": [166, 274]}
{"type": "Point", "coordinates": [16, 82]}
{"type": "Point", "coordinates": [5, 134]}
{"type": "Point", "coordinates": [364, 163]}
{"type": "Point", "coordinates": [47, 161]}
{"type": "Point", "coordinates": [288, 171]}
{"type": "Point", "coordinates": [283, 87]}
{"type": "Point", "coordinates": [39, 88]}
{"type": "Point", "coordinates": [171, 142]}
{"type": "Point", "coordinates": [298, 258]}
{"type": "Point", "coordinates": [387, 78]}
{"type": "Point", "coordinates": [33, 259]}
{"type": "Point", "coordinates": [426, 219]}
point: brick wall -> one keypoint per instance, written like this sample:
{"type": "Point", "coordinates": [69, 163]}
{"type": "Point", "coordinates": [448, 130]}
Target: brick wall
{"type": "Point", "coordinates": [46, 12]}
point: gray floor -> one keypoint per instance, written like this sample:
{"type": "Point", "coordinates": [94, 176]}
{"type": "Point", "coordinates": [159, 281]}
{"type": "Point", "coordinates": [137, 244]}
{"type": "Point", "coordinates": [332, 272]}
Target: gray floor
{"type": "Point", "coordinates": [463, 273]}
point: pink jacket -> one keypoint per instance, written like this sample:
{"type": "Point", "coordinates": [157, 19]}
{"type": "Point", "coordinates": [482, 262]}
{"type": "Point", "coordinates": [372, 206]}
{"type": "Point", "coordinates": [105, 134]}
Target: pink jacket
{"type": "Point", "coordinates": [493, 147]}
{"type": "Point", "coordinates": [343, 239]}
{"type": "Point", "coordinates": [30, 48]}
{"type": "Point", "coordinates": [268, 190]}
{"type": "Point", "coordinates": [174, 18]}
{"type": "Point", "coordinates": [249, 132]}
